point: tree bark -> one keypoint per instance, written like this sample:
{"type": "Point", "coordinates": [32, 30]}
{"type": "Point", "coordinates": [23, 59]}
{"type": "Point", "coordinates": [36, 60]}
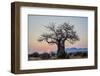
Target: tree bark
{"type": "Point", "coordinates": [61, 49]}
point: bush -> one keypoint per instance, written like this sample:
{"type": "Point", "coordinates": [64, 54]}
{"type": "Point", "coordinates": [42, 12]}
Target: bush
{"type": "Point", "coordinates": [35, 54]}
{"type": "Point", "coordinates": [85, 54]}
{"type": "Point", "coordinates": [45, 56]}
{"type": "Point", "coordinates": [53, 54]}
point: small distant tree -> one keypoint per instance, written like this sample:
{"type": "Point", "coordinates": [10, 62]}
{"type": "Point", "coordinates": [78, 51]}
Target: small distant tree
{"type": "Point", "coordinates": [58, 35]}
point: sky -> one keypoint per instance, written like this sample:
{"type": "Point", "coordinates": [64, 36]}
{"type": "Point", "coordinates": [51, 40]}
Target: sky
{"type": "Point", "coordinates": [36, 27]}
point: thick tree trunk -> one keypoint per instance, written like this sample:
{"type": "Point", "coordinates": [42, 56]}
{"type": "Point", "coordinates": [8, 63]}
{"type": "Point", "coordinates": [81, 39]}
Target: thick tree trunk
{"type": "Point", "coordinates": [61, 50]}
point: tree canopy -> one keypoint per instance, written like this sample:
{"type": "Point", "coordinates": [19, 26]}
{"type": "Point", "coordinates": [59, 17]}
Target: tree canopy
{"type": "Point", "coordinates": [60, 32]}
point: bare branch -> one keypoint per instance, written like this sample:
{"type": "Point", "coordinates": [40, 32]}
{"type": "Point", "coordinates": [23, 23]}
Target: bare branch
{"type": "Point", "coordinates": [49, 38]}
{"type": "Point", "coordinates": [64, 32]}
{"type": "Point", "coordinates": [51, 27]}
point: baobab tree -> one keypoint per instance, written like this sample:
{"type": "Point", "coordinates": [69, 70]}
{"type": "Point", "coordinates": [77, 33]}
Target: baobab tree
{"type": "Point", "coordinates": [58, 34]}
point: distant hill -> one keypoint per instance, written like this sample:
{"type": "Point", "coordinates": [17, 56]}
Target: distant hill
{"type": "Point", "coordinates": [69, 50]}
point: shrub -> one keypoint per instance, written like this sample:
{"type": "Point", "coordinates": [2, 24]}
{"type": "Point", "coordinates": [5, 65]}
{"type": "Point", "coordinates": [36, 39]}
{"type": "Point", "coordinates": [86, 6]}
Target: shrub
{"type": "Point", "coordinates": [85, 54]}
{"type": "Point", "coordinates": [53, 54]}
{"type": "Point", "coordinates": [45, 56]}
{"type": "Point", "coordinates": [35, 54]}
